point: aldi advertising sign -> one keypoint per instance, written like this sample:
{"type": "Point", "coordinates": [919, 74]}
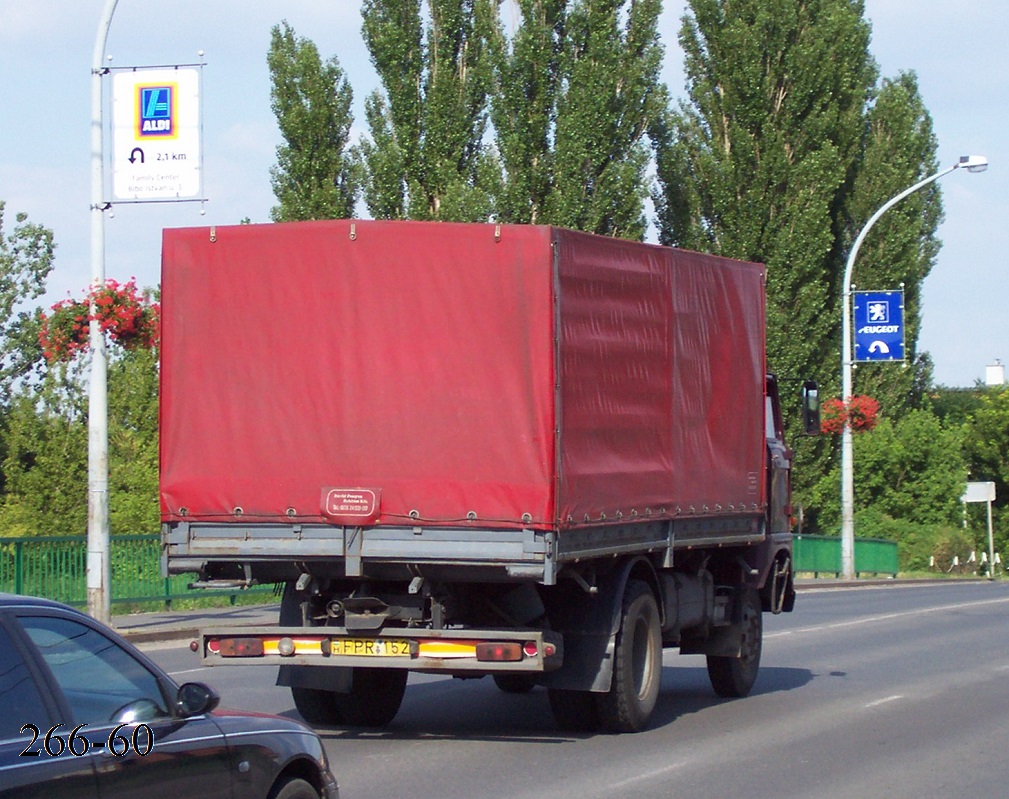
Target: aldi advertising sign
{"type": "Point", "coordinates": [879, 325]}
{"type": "Point", "coordinates": [156, 152]}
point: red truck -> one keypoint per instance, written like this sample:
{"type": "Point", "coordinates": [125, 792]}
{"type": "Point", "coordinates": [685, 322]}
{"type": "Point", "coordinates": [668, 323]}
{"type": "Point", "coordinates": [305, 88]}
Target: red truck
{"type": "Point", "coordinates": [473, 449]}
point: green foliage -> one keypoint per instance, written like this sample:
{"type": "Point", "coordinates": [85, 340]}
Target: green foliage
{"type": "Point", "coordinates": [45, 466]}
{"type": "Point", "coordinates": [133, 443]}
{"type": "Point", "coordinates": [45, 463]}
{"type": "Point", "coordinates": [316, 176]}
{"type": "Point", "coordinates": [986, 444]}
{"type": "Point", "coordinates": [576, 92]}
{"type": "Point", "coordinates": [426, 158]}
{"type": "Point", "coordinates": [26, 259]}
{"type": "Point", "coordinates": [920, 547]}
{"type": "Point", "coordinates": [912, 470]}
{"type": "Point", "coordinates": [952, 552]}
{"type": "Point", "coordinates": [954, 406]}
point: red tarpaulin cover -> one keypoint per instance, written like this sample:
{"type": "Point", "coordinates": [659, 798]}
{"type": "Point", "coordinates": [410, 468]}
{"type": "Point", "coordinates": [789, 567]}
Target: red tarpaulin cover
{"type": "Point", "coordinates": [454, 374]}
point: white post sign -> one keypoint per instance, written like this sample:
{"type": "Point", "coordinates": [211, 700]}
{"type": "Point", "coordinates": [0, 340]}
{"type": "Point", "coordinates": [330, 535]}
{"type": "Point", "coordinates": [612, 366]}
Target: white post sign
{"type": "Point", "coordinates": [984, 492]}
{"type": "Point", "coordinates": [156, 152]}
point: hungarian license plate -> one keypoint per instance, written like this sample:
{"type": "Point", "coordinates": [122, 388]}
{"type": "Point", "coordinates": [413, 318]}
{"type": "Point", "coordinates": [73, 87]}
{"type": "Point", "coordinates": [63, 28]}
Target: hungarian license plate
{"type": "Point", "coordinates": [371, 647]}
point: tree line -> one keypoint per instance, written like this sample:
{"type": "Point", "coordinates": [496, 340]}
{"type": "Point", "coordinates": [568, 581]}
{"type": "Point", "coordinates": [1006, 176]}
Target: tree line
{"type": "Point", "coordinates": [784, 142]}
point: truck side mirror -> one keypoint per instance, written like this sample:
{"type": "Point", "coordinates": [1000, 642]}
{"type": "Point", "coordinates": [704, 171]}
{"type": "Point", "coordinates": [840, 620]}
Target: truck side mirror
{"type": "Point", "coordinates": [810, 408]}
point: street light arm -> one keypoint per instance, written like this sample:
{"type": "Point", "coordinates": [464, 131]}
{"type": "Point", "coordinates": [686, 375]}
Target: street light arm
{"type": "Point", "coordinates": [849, 266]}
{"type": "Point", "coordinates": [846, 389]}
{"type": "Point", "coordinates": [973, 163]}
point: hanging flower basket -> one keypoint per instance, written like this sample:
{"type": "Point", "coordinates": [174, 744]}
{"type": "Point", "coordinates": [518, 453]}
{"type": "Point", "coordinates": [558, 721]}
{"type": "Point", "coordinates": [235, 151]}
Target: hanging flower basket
{"type": "Point", "coordinates": [861, 412]}
{"type": "Point", "coordinates": [64, 332]}
{"type": "Point", "coordinates": [128, 317]}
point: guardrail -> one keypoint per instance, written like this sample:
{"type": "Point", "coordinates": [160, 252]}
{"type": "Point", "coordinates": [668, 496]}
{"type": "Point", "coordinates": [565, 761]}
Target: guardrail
{"type": "Point", "coordinates": [56, 567]}
{"type": "Point", "coordinates": [821, 554]}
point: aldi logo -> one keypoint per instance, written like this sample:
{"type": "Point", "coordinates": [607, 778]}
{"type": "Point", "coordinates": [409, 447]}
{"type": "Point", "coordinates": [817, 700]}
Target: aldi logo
{"type": "Point", "coordinates": [157, 111]}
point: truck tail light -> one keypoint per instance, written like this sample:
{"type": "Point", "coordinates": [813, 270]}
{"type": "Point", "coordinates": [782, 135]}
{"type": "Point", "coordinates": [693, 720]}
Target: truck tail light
{"type": "Point", "coordinates": [236, 647]}
{"type": "Point", "coordinates": [503, 652]}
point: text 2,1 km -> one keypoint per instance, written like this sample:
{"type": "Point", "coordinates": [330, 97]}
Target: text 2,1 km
{"type": "Point", "coordinates": [78, 744]}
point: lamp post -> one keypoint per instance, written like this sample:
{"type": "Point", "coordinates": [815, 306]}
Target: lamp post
{"type": "Point", "coordinates": [972, 163]}
{"type": "Point", "coordinates": [98, 568]}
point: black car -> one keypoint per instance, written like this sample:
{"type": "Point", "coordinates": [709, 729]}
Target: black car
{"type": "Point", "coordinates": [86, 715]}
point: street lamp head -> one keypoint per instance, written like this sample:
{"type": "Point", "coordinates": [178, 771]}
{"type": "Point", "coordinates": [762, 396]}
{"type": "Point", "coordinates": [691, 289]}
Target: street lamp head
{"type": "Point", "coordinates": [973, 163]}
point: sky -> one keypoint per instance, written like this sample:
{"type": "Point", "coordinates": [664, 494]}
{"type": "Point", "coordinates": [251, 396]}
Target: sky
{"type": "Point", "coordinates": [957, 48]}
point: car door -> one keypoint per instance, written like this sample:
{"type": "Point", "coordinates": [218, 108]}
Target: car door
{"type": "Point", "coordinates": [140, 747]}
{"type": "Point", "coordinates": [32, 765]}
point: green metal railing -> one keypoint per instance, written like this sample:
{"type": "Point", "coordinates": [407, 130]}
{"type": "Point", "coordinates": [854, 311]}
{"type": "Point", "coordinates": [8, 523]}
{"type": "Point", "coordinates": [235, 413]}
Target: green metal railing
{"type": "Point", "coordinates": [822, 555]}
{"type": "Point", "coordinates": [56, 567]}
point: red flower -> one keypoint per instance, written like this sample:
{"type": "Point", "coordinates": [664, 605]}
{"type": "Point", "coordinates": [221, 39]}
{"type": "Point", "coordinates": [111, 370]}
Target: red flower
{"type": "Point", "coordinates": [130, 318]}
{"type": "Point", "coordinates": [860, 412]}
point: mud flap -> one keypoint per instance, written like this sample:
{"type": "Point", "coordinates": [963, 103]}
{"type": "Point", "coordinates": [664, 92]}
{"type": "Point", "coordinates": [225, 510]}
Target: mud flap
{"type": "Point", "coordinates": [336, 678]}
{"type": "Point", "coordinates": [589, 624]}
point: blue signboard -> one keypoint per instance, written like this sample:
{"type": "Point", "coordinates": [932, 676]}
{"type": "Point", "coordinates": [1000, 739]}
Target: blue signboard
{"type": "Point", "coordinates": [879, 325]}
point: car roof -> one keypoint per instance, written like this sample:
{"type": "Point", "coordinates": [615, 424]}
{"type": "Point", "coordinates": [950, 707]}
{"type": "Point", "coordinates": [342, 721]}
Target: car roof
{"type": "Point", "coordinates": [21, 600]}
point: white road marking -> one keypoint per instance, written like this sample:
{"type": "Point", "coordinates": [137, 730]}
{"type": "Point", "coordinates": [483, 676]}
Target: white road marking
{"type": "Point", "coordinates": [884, 700]}
{"type": "Point", "coordinates": [648, 775]}
{"type": "Point", "coordinates": [187, 671]}
{"type": "Point", "coordinates": [886, 617]}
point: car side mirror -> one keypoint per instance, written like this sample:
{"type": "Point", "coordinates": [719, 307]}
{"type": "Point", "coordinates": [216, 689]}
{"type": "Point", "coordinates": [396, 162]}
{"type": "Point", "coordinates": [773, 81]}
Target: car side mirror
{"type": "Point", "coordinates": [195, 698]}
{"type": "Point", "coordinates": [810, 408]}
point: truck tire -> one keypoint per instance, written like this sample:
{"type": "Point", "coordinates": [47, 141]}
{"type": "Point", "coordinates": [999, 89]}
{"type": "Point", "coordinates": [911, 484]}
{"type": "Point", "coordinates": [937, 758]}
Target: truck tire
{"type": "Point", "coordinates": [515, 683]}
{"type": "Point", "coordinates": [574, 711]}
{"type": "Point", "coordinates": [733, 677]}
{"type": "Point", "coordinates": [373, 700]}
{"type": "Point", "coordinates": [315, 705]}
{"type": "Point", "coordinates": [637, 664]}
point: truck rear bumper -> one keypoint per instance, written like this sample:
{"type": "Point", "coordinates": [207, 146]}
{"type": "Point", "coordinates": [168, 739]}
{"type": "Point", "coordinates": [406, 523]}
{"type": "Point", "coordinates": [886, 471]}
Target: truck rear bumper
{"type": "Point", "coordinates": [444, 651]}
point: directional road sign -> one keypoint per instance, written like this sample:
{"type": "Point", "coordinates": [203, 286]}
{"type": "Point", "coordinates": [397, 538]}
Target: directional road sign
{"type": "Point", "coordinates": [156, 152]}
{"type": "Point", "coordinates": [879, 325]}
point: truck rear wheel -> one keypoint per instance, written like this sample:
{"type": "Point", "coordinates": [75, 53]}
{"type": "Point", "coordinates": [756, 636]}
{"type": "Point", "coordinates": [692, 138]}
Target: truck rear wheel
{"type": "Point", "coordinates": [637, 665]}
{"type": "Point", "coordinates": [733, 677]}
{"type": "Point", "coordinates": [315, 705]}
{"type": "Point", "coordinates": [373, 700]}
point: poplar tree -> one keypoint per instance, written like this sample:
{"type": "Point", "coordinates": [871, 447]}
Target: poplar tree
{"type": "Point", "coordinates": [315, 176]}
{"type": "Point", "coordinates": [781, 152]}
{"type": "Point", "coordinates": [426, 158]}
{"type": "Point", "coordinates": [759, 162]}
{"type": "Point", "coordinates": [577, 90]}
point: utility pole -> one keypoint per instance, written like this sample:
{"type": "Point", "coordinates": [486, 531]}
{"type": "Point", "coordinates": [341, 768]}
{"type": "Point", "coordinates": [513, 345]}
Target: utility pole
{"type": "Point", "coordinates": [99, 573]}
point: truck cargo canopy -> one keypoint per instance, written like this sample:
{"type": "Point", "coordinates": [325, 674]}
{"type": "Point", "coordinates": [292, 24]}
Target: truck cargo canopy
{"type": "Point", "coordinates": [358, 372]}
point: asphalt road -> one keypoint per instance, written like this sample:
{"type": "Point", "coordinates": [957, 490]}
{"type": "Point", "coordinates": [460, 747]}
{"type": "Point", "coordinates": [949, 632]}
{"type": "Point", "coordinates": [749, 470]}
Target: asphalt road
{"type": "Point", "coordinates": [900, 691]}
